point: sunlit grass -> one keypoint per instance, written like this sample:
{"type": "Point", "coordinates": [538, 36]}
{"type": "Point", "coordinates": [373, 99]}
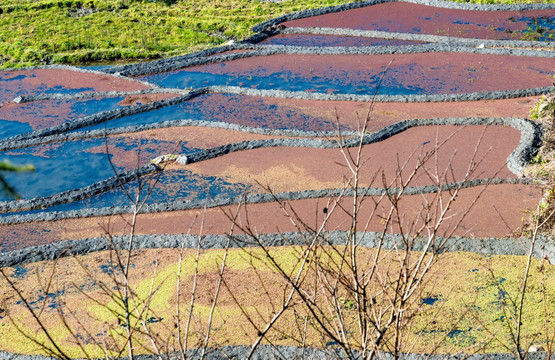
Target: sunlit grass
{"type": "Point", "coordinates": [37, 32]}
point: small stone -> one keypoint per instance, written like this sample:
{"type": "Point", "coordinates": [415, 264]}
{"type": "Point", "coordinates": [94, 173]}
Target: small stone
{"type": "Point", "coordinates": [535, 348]}
{"type": "Point", "coordinates": [182, 160]}
{"type": "Point", "coordinates": [164, 159]}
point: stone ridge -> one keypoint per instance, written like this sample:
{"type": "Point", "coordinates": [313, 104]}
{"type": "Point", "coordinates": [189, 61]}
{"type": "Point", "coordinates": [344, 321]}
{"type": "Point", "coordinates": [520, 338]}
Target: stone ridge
{"type": "Point", "coordinates": [266, 50]}
{"type": "Point", "coordinates": [281, 352]}
{"type": "Point", "coordinates": [89, 95]}
{"type": "Point", "coordinates": [475, 96]}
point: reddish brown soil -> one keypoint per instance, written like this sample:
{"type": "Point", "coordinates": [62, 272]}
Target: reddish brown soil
{"type": "Point", "coordinates": [433, 73]}
{"type": "Point", "coordinates": [497, 212]}
{"type": "Point", "coordinates": [421, 19]}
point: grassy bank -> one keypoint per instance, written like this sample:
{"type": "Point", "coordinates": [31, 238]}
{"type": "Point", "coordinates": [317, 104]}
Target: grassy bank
{"type": "Point", "coordinates": [39, 32]}
{"type": "Point", "coordinates": [78, 31]}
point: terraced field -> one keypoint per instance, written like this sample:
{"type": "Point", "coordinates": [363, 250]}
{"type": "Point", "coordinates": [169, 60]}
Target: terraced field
{"type": "Point", "coordinates": [267, 192]}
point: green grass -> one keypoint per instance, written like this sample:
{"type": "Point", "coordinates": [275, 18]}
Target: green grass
{"type": "Point", "coordinates": [49, 31]}
{"type": "Point", "coordinates": [39, 32]}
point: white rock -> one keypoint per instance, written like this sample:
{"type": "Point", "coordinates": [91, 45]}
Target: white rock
{"type": "Point", "coordinates": [164, 158]}
{"type": "Point", "coordinates": [535, 348]}
{"type": "Point", "coordinates": [182, 160]}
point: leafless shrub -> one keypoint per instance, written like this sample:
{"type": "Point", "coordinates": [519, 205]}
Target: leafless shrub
{"type": "Point", "coordinates": [338, 296]}
{"type": "Point", "coordinates": [363, 303]}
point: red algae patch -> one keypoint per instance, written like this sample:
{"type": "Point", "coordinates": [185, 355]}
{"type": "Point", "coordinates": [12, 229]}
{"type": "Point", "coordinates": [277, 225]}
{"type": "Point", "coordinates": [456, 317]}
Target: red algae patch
{"type": "Point", "coordinates": [123, 148]}
{"type": "Point", "coordinates": [77, 79]}
{"type": "Point", "coordinates": [46, 113]}
{"type": "Point", "coordinates": [13, 237]}
{"type": "Point", "coordinates": [41, 81]}
{"type": "Point", "coordinates": [267, 112]}
{"type": "Point", "coordinates": [497, 212]}
{"type": "Point", "coordinates": [295, 169]}
{"type": "Point", "coordinates": [350, 114]}
{"type": "Point", "coordinates": [199, 137]}
{"type": "Point", "coordinates": [422, 73]}
{"type": "Point", "coordinates": [422, 19]}
{"type": "Point", "coordinates": [315, 115]}
{"type": "Point", "coordinates": [40, 114]}
{"type": "Point", "coordinates": [389, 113]}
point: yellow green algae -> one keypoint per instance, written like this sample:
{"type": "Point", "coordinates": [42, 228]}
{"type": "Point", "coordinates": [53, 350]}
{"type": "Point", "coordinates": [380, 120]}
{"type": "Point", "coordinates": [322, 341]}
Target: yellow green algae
{"type": "Point", "coordinates": [465, 305]}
